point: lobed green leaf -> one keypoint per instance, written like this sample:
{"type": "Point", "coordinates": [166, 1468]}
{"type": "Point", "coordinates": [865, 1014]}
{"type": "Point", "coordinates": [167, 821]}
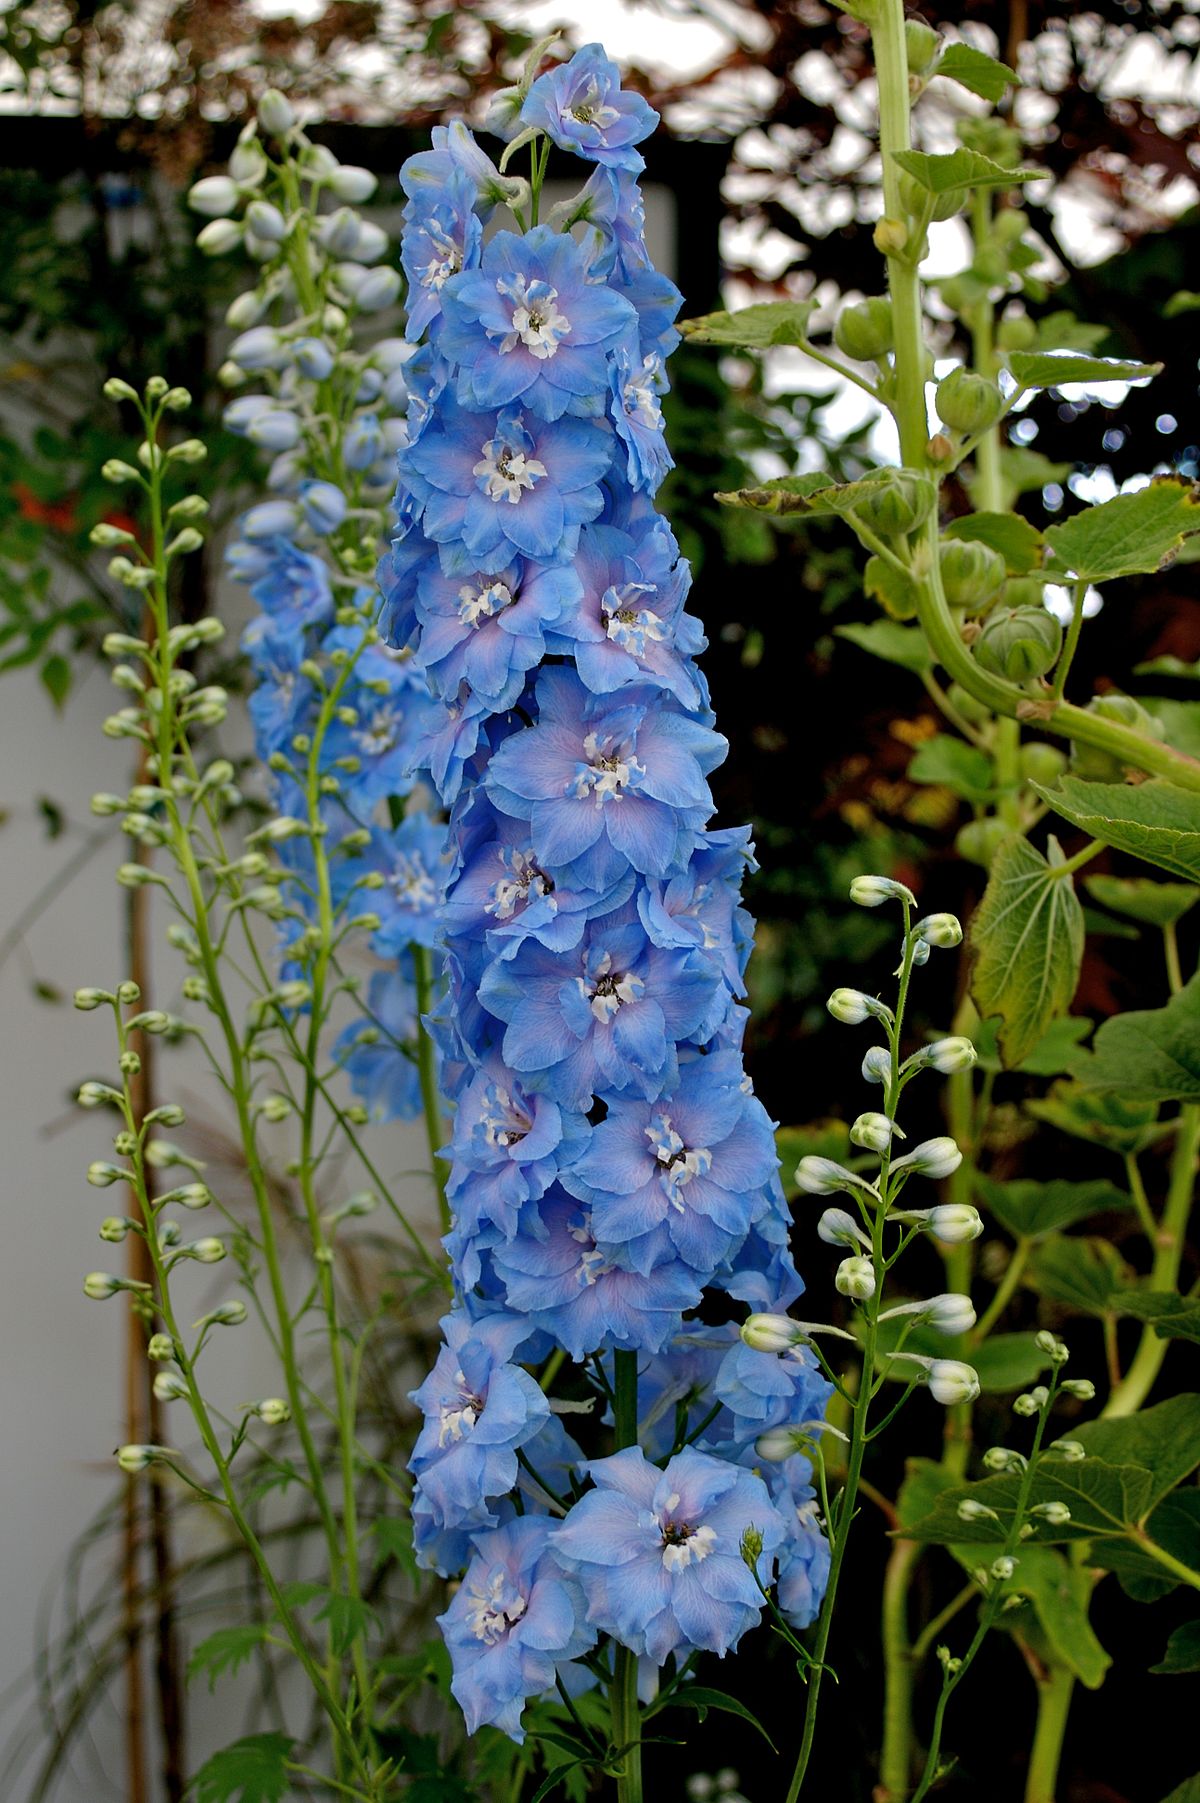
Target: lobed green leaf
{"type": "Point", "coordinates": [1027, 936]}
{"type": "Point", "coordinates": [1154, 820]}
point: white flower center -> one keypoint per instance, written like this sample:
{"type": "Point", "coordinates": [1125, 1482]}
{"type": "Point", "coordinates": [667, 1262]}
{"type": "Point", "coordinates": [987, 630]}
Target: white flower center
{"type": "Point", "coordinates": [626, 624]}
{"type": "Point", "coordinates": [503, 1123]}
{"type": "Point", "coordinates": [376, 735]}
{"type": "Point", "coordinates": [681, 1542]}
{"type": "Point", "coordinates": [507, 474]}
{"type": "Point", "coordinates": [589, 109]}
{"type": "Point", "coordinates": [537, 321]}
{"type": "Point", "coordinates": [677, 1163]}
{"type": "Point", "coordinates": [640, 394]}
{"type": "Point", "coordinates": [445, 261]}
{"type": "Point", "coordinates": [475, 605]}
{"type": "Point", "coordinates": [608, 771]}
{"type": "Point", "coordinates": [610, 989]}
{"type": "Point", "coordinates": [453, 1421]}
{"type": "Point", "coordinates": [493, 1610]}
{"type": "Point", "coordinates": [510, 892]}
{"type": "Point", "coordinates": [592, 1262]}
{"type": "Point", "coordinates": [412, 883]}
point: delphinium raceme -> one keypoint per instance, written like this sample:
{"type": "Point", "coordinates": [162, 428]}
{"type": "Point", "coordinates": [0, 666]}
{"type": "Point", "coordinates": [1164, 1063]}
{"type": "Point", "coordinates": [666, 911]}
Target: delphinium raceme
{"type": "Point", "coordinates": [336, 712]}
{"type": "Point", "coordinates": [610, 1163]}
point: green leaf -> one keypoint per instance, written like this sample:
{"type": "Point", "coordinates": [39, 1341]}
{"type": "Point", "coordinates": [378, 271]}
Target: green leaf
{"type": "Point", "coordinates": [1182, 1655]}
{"type": "Point", "coordinates": [895, 592]}
{"type": "Point", "coordinates": [1050, 1057]}
{"type": "Point", "coordinates": [1080, 1274]}
{"type": "Point", "coordinates": [895, 644]}
{"type": "Point", "coordinates": [1151, 1054]}
{"type": "Point", "coordinates": [1051, 369]}
{"type": "Point", "coordinates": [1061, 1596]}
{"type": "Point", "coordinates": [1172, 1316]}
{"type": "Point", "coordinates": [1106, 1502]}
{"type": "Point", "coordinates": [781, 495]}
{"type": "Point", "coordinates": [924, 1481]}
{"type": "Point", "coordinates": [815, 495]}
{"type": "Point", "coordinates": [960, 169]}
{"type": "Point", "coordinates": [1169, 666]}
{"type": "Point", "coordinates": [1031, 1210]}
{"type": "Point", "coordinates": [1062, 331]}
{"type": "Point", "coordinates": [697, 1697]}
{"type": "Point", "coordinates": [1027, 935]}
{"type": "Point", "coordinates": [1127, 536]}
{"type": "Point", "coordinates": [1019, 543]}
{"type": "Point", "coordinates": [752, 328]}
{"type": "Point", "coordinates": [1183, 301]}
{"type": "Point", "coordinates": [973, 70]}
{"type": "Point", "coordinates": [1180, 720]}
{"type": "Point", "coordinates": [1103, 1119]}
{"type": "Point", "coordinates": [56, 678]}
{"type": "Point", "coordinates": [1174, 1526]}
{"type": "Point", "coordinates": [1141, 898]}
{"type": "Point", "coordinates": [1164, 1440]}
{"type": "Point", "coordinates": [223, 1652]}
{"type": "Point", "coordinates": [349, 1619]}
{"type": "Point", "coordinates": [1188, 1792]}
{"type": "Point", "coordinates": [953, 764]}
{"type": "Point", "coordinates": [253, 1770]}
{"type": "Point", "coordinates": [393, 1539]}
{"type": "Point", "coordinates": [1154, 820]}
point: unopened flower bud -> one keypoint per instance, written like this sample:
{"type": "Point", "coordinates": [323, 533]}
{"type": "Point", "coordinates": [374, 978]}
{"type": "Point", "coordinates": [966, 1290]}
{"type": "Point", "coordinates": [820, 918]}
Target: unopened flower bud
{"type": "Point", "coordinates": [865, 332]}
{"type": "Point", "coordinates": [219, 237]}
{"type": "Point", "coordinates": [1003, 1458]}
{"type": "Point", "coordinates": [100, 1174]}
{"type": "Point", "coordinates": [922, 44]}
{"type": "Point", "coordinates": [934, 1158]}
{"type": "Point", "coordinates": [949, 1055]}
{"type": "Point", "coordinates": [1003, 1568]}
{"type": "Point", "coordinates": [1071, 1450]}
{"type": "Point", "coordinates": [951, 1381]}
{"type": "Point", "coordinates": [942, 930]}
{"type": "Point", "coordinates": [877, 1065]}
{"type": "Point", "coordinates": [169, 1386]}
{"type": "Point", "coordinates": [226, 1314]}
{"type": "Point", "coordinates": [1031, 1401]}
{"type": "Point", "coordinates": [114, 1228]}
{"type": "Point", "coordinates": [874, 1132]}
{"type": "Point", "coordinates": [215, 197]}
{"type": "Point", "coordinates": [87, 999]}
{"type": "Point", "coordinates": [837, 1228]}
{"type": "Point", "coordinates": [273, 1411]}
{"type": "Point", "coordinates": [779, 1443]}
{"type": "Point", "coordinates": [159, 1347]}
{"type": "Point", "coordinates": [752, 1545]}
{"type": "Point", "coordinates": [852, 1007]}
{"type": "Point", "coordinates": [1050, 1344]}
{"type": "Point", "coordinates": [1081, 1388]}
{"type": "Point", "coordinates": [890, 237]}
{"type": "Point", "coordinates": [350, 183]}
{"type": "Point", "coordinates": [1054, 1514]}
{"type": "Point", "coordinates": [275, 113]}
{"type": "Point", "coordinates": [967, 402]}
{"type": "Point", "coordinates": [855, 1277]}
{"type": "Point", "coordinates": [873, 891]}
{"type": "Point", "coordinates": [1019, 643]}
{"type": "Point", "coordinates": [970, 1509]}
{"type": "Point", "coordinates": [266, 221]}
{"type": "Point", "coordinates": [208, 1251]}
{"type": "Point", "coordinates": [95, 1095]}
{"type": "Point", "coordinates": [137, 1458]}
{"type": "Point", "coordinates": [770, 1333]}
{"type": "Point", "coordinates": [954, 1223]}
{"type": "Point", "coordinates": [100, 1285]}
{"type": "Point", "coordinates": [825, 1177]}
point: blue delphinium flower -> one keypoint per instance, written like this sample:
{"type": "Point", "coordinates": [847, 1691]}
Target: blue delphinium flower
{"type": "Point", "coordinates": [609, 1161]}
{"type": "Point", "coordinates": [659, 1553]}
{"type": "Point", "coordinates": [514, 1619]}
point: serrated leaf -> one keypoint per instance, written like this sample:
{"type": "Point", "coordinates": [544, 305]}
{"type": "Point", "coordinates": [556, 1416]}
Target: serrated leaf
{"type": "Point", "coordinates": [225, 1651]}
{"type": "Point", "coordinates": [1172, 1316]}
{"type": "Point", "coordinates": [1164, 1440]}
{"type": "Point", "coordinates": [1127, 536]}
{"type": "Point", "coordinates": [960, 169]}
{"type": "Point", "coordinates": [1051, 369]}
{"type": "Point", "coordinates": [1027, 936]}
{"type": "Point", "coordinates": [780, 495]}
{"type": "Point", "coordinates": [1106, 1502]}
{"type": "Point", "coordinates": [1150, 1054]}
{"type": "Point", "coordinates": [752, 328]}
{"type": "Point", "coordinates": [1141, 898]}
{"type": "Point", "coordinates": [974, 70]}
{"type": "Point", "coordinates": [1019, 543]}
{"type": "Point", "coordinates": [906, 646]}
{"type": "Point", "coordinates": [1102, 1119]}
{"type": "Point", "coordinates": [253, 1770]}
{"type": "Point", "coordinates": [1031, 1210]}
{"type": "Point", "coordinates": [1182, 1654]}
{"type": "Point", "coordinates": [952, 764]}
{"type": "Point", "coordinates": [1154, 820]}
{"type": "Point", "coordinates": [1079, 1273]}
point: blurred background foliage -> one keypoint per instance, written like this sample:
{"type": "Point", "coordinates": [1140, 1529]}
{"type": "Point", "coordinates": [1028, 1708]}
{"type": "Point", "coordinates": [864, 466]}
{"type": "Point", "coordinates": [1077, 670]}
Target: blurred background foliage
{"type": "Point", "coordinates": [110, 110]}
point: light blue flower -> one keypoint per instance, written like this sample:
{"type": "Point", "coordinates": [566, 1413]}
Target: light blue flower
{"type": "Point", "coordinates": [382, 1067]}
{"type": "Point", "coordinates": [582, 107]}
{"type": "Point", "coordinates": [659, 1553]}
{"type": "Point", "coordinates": [516, 1617]}
{"type": "Point", "coordinates": [489, 629]}
{"type": "Point", "coordinates": [442, 236]}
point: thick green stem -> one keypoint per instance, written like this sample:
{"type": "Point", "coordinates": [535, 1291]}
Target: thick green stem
{"type": "Point", "coordinates": [1170, 1239]}
{"type": "Point", "coordinates": [1055, 1691]}
{"type": "Point", "coordinates": [899, 1673]}
{"type": "Point", "coordinates": [623, 1697]}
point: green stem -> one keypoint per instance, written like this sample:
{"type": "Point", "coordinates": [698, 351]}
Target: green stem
{"type": "Point", "coordinates": [1072, 643]}
{"type": "Point", "coordinates": [623, 1697]}
{"type": "Point", "coordinates": [1169, 1241]}
{"type": "Point", "coordinates": [1005, 1291]}
{"type": "Point", "coordinates": [1054, 1693]}
{"type": "Point", "coordinates": [899, 1674]}
{"type": "Point", "coordinates": [435, 1132]}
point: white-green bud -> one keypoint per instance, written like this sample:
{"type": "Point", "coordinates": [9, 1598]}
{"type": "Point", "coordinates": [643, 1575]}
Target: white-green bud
{"type": "Point", "coordinates": [1052, 1346]}
{"type": "Point", "coordinates": [169, 1234]}
{"type": "Point", "coordinates": [954, 1223]}
{"type": "Point", "coordinates": [274, 1108]}
{"type": "Point", "coordinates": [852, 1007]}
{"type": "Point", "coordinates": [226, 1314]}
{"type": "Point", "coordinates": [877, 1065]}
{"type": "Point", "coordinates": [266, 221]}
{"type": "Point", "coordinates": [1070, 1450]}
{"type": "Point", "coordinates": [160, 1347]}
{"type": "Point", "coordinates": [273, 1411]}
{"type": "Point", "coordinates": [205, 1252]}
{"type": "Point", "coordinates": [248, 165]}
{"type": "Point", "coordinates": [952, 1381]}
{"type": "Point", "coordinates": [855, 1277]}
{"type": "Point", "coordinates": [100, 1285]}
{"type": "Point", "coordinates": [1003, 1458]}
{"type": "Point", "coordinates": [219, 237]}
{"type": "Point", "coordinates": [1003, 1568]}
{"type": "Point", "coordinates": [1081, 1388]}
{"type": "Point", "coordinates": [1031, 1402]}
{"type": "Point", "coordinates": [95, 1095]}
{"type": "Point", "coordinates": [169, 1386]}
{"type": "Point", "coordinates": [932, 1158]}
{"type": "Point", "coordinates": [873, 891]}
{"type": "Point", "coordinates": [87, 999]}
{"type": "Point", "coordinates": [348, 182]}
{"type": "Point", "coordinates": [1054, 1514]}
{"type": "Point", "coordinates": [970, 1509]}
{"type": "Point", "coordinates": [837, 1228]}
{"type": "Point", "coordinates": [137, 1458]}
{"type": "Point", "coordinates": [825, 1177]}
{"type": "Point", "coordinates": [948, 1055]}
{"type": "Point", "coordinates": [771, 1333]}
{"type": "Point", "coordinates": [216, 197]}
{"type": "Point", "coordinates": [780, 1443]}
{"type": "Point", "coordinates": [100, 1174]}
{"type": "Point", "coordinates": [117, 390]}
{"type": "Point", "coordinates": [130, 1064]}
{"type": "Point", "coordinates": [114, 1228]}
{"type": "Point", "coordinates": [874, 1132]}
{"type": "Point", "coordinates": [942, 930]}
{"type": "Point", "coordinates": [168, 1114]}
{"type": "Point", "coordinates": [275, 113]}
